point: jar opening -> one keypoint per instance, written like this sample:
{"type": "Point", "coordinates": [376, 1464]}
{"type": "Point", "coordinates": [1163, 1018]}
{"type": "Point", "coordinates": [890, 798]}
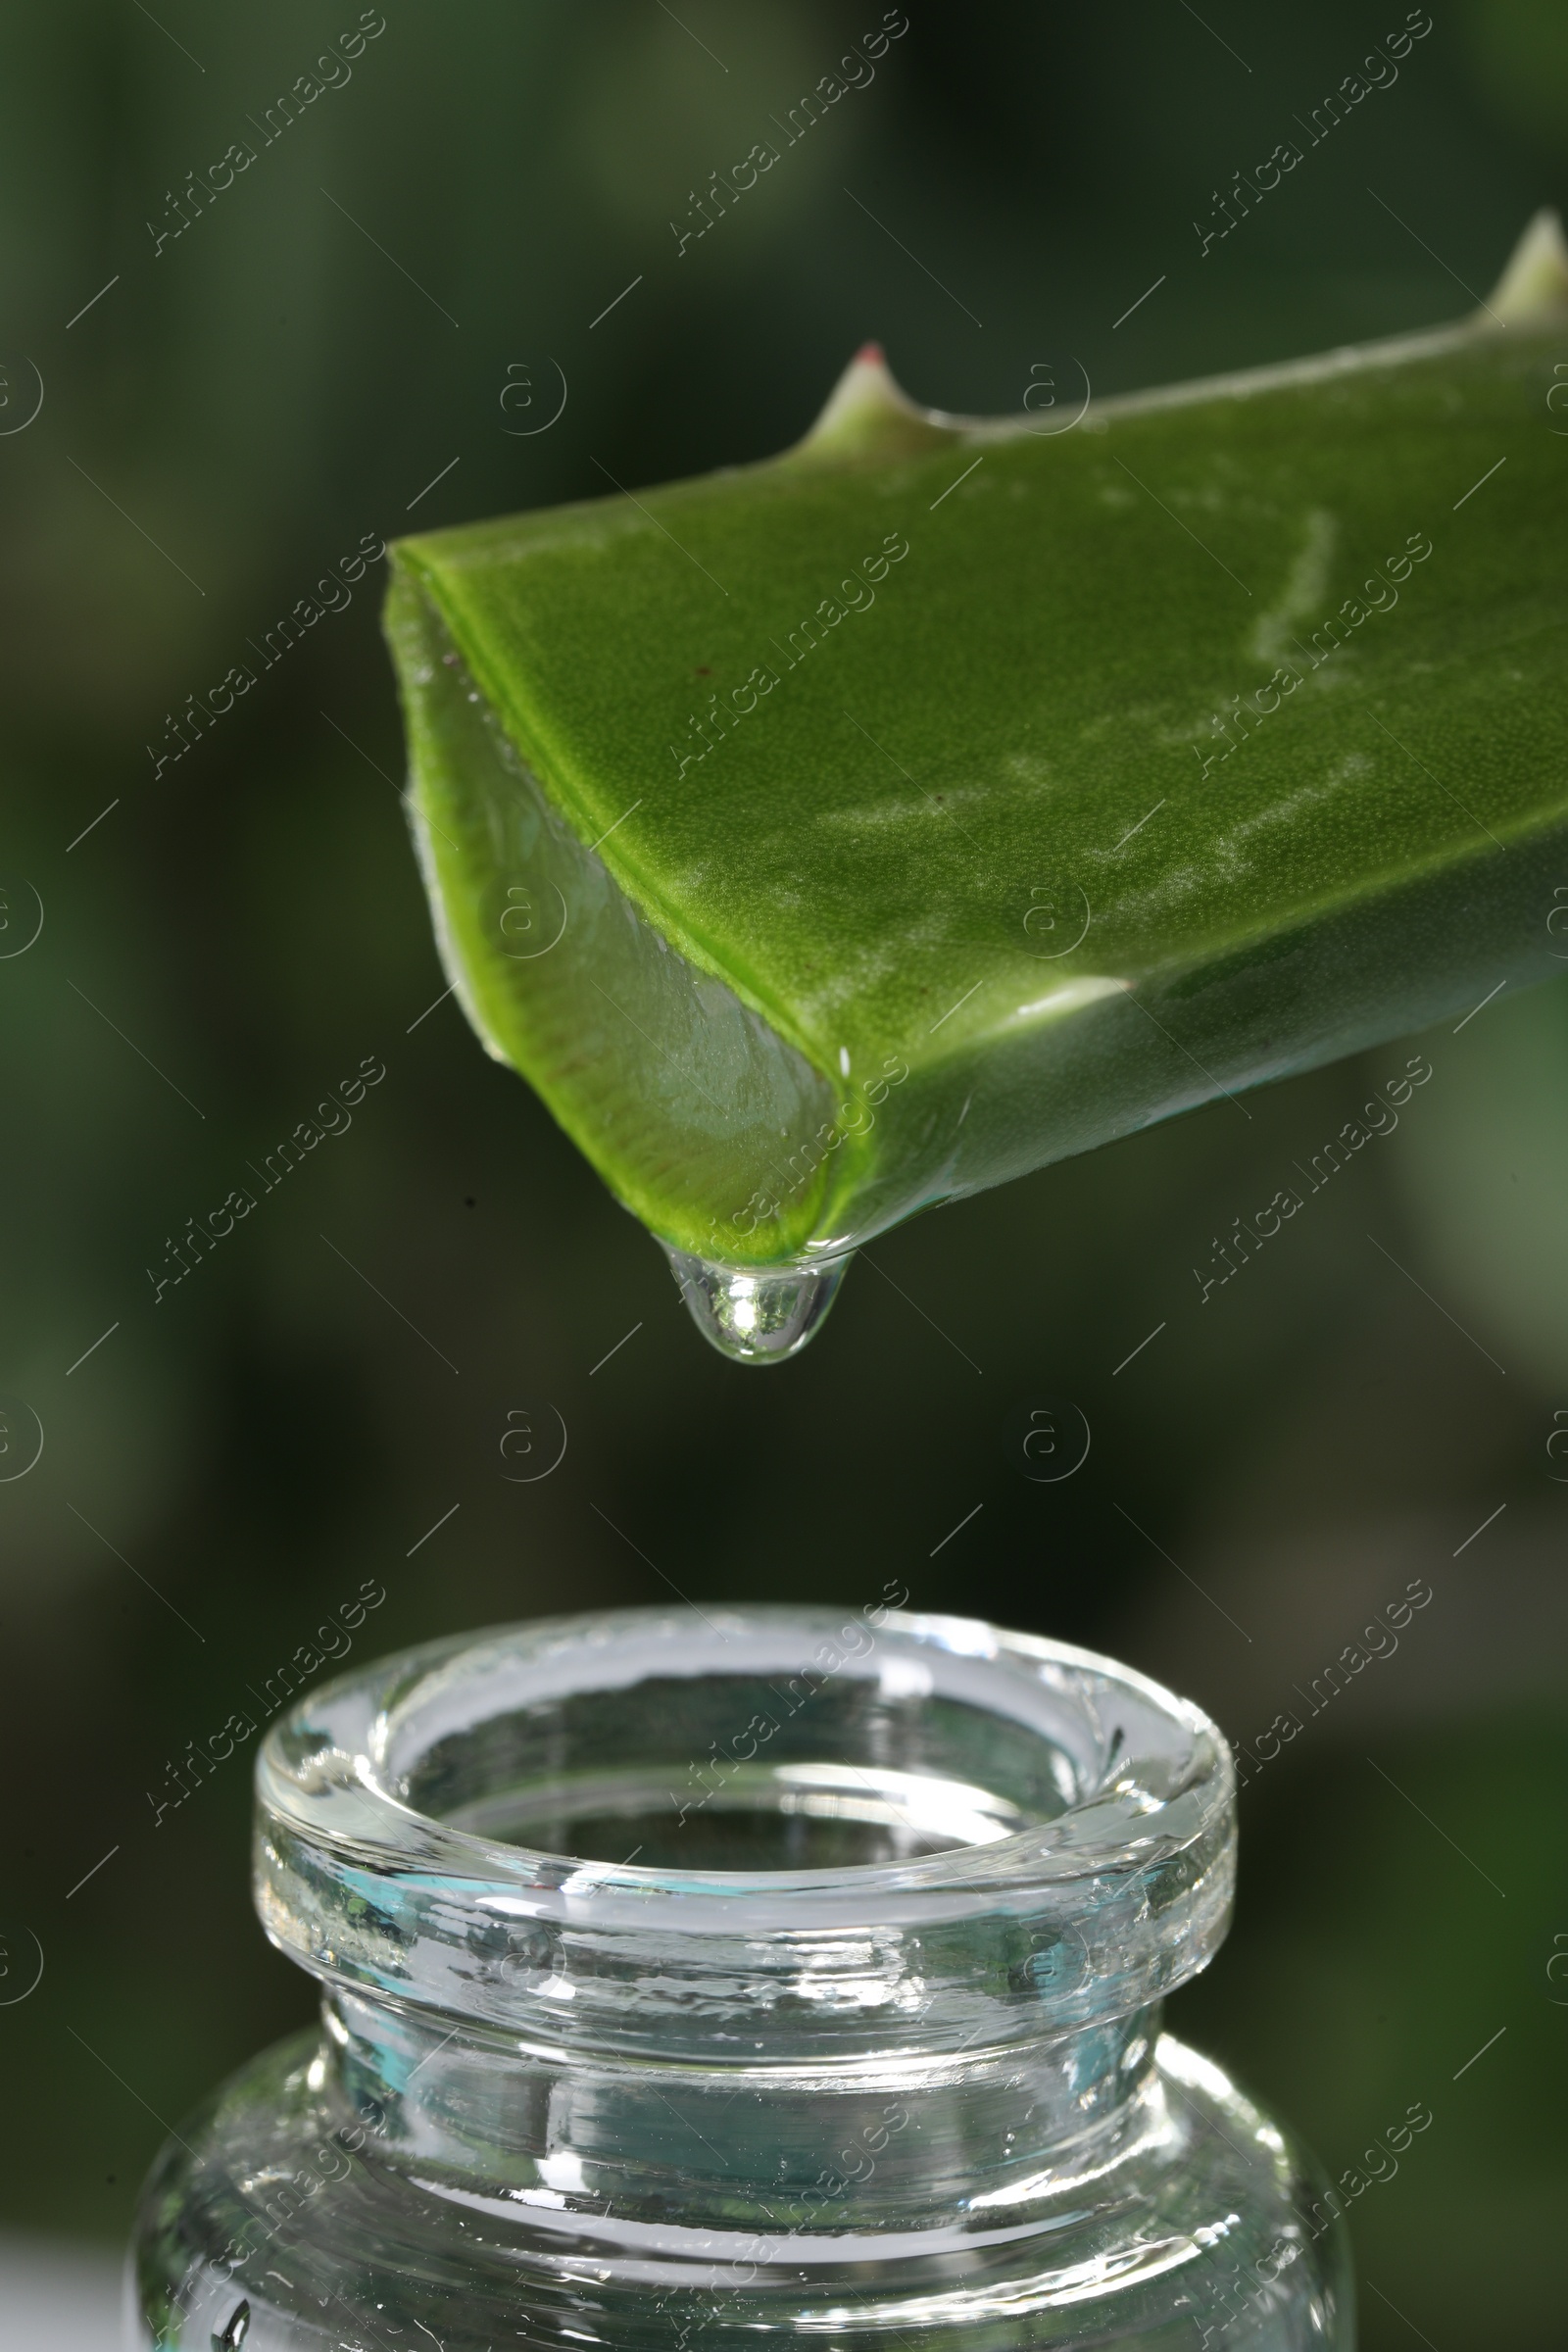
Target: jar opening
{"type": "Point", "coordinates": [849, 1831]}
{"type": "Point", "coordinates": [744, 1771]}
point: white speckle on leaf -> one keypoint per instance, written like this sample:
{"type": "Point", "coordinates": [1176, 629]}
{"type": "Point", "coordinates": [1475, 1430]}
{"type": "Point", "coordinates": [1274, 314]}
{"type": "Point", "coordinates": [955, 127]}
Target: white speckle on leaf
{"type": "Point", "coordinates": [1304, 593]}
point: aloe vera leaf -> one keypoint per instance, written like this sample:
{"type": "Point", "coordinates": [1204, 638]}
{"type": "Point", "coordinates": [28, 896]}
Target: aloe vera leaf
{"type": "Point", "coordinates": [842, 834]}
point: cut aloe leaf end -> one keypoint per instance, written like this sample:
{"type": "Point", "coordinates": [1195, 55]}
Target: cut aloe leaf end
{"type": "Point", "coordinates": [840, 835]}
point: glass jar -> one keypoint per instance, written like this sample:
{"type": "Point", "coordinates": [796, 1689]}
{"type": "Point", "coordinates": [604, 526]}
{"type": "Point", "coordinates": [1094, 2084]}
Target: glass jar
{"type": "Point", "coordinates": [741, 1973]}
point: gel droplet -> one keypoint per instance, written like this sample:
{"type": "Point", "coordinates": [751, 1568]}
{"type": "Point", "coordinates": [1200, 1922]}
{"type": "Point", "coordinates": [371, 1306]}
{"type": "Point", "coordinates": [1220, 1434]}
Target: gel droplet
{"type": "Point", "coordinates": [752, 1315]}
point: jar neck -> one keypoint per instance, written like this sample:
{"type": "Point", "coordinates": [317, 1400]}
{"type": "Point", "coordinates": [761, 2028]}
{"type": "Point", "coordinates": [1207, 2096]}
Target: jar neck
{"type": "Point", "coordinates": [903, 2139]}
{"type": "Point", "coordinates": [902, 1950]}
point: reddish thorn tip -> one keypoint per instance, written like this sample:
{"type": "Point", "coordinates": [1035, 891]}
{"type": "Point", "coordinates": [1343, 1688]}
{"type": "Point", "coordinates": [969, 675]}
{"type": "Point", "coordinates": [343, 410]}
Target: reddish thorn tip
{"type": "Point", "coordinates": [869, 355]}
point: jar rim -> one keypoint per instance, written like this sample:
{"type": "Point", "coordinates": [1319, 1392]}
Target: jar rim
{"type": "Point", "coordinates": [1154, 1775]}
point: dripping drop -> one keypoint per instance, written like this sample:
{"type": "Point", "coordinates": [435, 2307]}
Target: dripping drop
{"type": "Point", "coordinates": [752, 1315]}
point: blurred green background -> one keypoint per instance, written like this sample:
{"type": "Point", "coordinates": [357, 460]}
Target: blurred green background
{"type": "Point", "coordinates": [237, 932]}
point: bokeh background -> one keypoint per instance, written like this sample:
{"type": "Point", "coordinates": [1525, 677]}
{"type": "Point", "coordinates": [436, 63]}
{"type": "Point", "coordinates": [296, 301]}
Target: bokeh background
{"type": "Point", "coordinates": [234, 934]}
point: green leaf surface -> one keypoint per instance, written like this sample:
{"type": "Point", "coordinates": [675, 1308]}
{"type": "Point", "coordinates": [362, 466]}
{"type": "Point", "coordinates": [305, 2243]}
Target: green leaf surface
{"type": "Point", "coordinates": [838, 835]}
